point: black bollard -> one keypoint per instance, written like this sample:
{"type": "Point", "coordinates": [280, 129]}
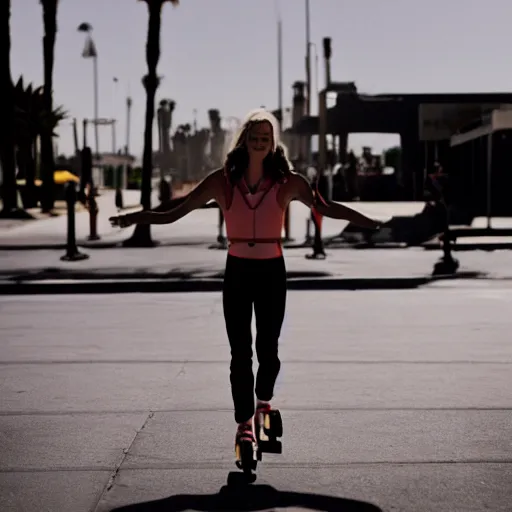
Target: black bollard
{"type": "Point", "coordinates": [119, 199]}
{"type": "Point", "coordinates": [318, 244]}
{"type": "Point", "coordinates": [164, 189]}
{"type": "Point", "coordinates": [93, 214]}
{"type": "Point", "coordinates": [222, 242]}
{"type": "Point", "coordinates": [308, 239]}
{"type": "Point", "coordinates": [220, 237]}
{"type": "Point", "coordinates": [72, 253]}
{"type": "Point", "coordinates": [447, 264]}
{"type": "Point", "coordinates": [118, 187]}
{"type": "Point", "coordinates": [287, 233]}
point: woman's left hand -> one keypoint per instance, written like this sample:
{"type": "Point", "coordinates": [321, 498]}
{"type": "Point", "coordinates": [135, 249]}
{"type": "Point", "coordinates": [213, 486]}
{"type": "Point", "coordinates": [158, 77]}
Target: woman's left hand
{"type": "Point", "coordinates": [377, 224]}
{"type": "Point", "coordinates": [122, 221]}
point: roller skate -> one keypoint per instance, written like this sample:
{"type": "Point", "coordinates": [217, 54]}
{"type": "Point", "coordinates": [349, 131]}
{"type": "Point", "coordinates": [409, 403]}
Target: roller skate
{"type": "Point", "coordinates": [245, 448]}
{"type": "Point", "coordinates": [269, 427]}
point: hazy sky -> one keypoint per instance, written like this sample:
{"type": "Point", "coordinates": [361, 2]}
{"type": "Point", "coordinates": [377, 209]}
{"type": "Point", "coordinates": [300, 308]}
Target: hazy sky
{"type": "Point", "coordinates": [222, 53]}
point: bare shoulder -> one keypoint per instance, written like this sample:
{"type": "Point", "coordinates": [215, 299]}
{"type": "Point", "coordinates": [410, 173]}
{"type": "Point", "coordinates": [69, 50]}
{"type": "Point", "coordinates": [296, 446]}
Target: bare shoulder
{"type": "Point", "coordinates": [297, 182]}
{"type": "Point", "coordinates": [298, 178]}
{"type": "Point", "coordinates": [210, 187]}
{"type": "Point", "coordinates": [215, 182]}
{"type": "Point", "coordinates": [215, 177]}
{"type": "Point", "coordinates": [296, 187]}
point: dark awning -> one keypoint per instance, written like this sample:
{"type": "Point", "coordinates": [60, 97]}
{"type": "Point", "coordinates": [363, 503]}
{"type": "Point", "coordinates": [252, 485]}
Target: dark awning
{"type": "Point", "coordinates": [310, 125]}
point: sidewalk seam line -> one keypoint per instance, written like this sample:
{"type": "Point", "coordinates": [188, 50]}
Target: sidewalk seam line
{"type": "Point", "coordinates": [111, 480]}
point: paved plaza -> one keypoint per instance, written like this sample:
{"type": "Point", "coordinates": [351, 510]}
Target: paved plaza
{"type": "Point", "coordinates": [391, 400]}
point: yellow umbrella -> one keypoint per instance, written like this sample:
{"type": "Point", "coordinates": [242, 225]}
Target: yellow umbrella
{"type": "Point", "coordinates": [61, 177]}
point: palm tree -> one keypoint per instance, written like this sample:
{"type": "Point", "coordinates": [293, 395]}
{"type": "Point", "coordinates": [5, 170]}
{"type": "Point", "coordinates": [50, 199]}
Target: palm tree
{"type": "Point", "coordinates": [25, 138]}
{"type": "Point", "coordinates": [7, 118]}
{"type": "Point", "coordinates": [47, 158]}
{"type": "Point", "coordinates": [32, 123]}
{"type": "Point", "coordinates": [142, 234]}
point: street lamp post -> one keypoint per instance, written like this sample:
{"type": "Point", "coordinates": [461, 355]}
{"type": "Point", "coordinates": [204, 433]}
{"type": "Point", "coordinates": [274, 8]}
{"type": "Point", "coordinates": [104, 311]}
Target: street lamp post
{"type": "Point", "coordinates": [280, 70]}
{"type": "Point", "coordinates": [322, 107]}
{"type": "Point", "coordinates": [90, 52]}
{"type": "Point", "coordinates": [117, 176]}
{"type": "Point", "coordinates": [308, 77]}
{"type": "Point", "coordinates": [308, 60]}
{"type": "Point", "coordinates": [313, 45]}
{"type": "Point", "coordinates": [127, 146]}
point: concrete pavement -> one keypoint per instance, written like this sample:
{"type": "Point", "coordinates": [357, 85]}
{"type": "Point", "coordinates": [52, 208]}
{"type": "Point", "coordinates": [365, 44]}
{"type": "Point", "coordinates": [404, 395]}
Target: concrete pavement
{"type": "Point", "coordinates": [195, 268]}
{"type": "Point", "coordinates": [183, 261]}
{"type": "Point", "coordinates": [198, 228]}
{"type": "Point", "coordinates": [391, 401]}
{"type": "Point", "coordinates": [50, 232]}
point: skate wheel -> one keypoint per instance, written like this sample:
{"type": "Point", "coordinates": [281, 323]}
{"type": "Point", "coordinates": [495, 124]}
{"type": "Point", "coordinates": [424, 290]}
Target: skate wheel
{"type": "Point", "coordinates": [273, 424]}
{"type": "Point", "coordinates": [271, 447]}
{"type": "Point", "coordinates": [245, 457]}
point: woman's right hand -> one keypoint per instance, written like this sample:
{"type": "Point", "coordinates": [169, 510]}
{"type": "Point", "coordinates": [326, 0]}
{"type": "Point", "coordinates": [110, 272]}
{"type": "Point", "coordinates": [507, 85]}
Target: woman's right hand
{"type": "Point", "coordinates": [122, 221]}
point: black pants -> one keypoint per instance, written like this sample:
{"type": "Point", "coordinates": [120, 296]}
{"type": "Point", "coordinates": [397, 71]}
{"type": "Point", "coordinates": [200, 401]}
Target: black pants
{"type": "Point", "coordinates": [262, 284]}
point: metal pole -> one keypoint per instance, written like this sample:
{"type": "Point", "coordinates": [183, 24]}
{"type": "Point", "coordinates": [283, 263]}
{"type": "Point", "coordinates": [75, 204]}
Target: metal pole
{"type": "Point", "coordinates": [84, 134]}
{"type": "Point", "coordinates": [75, 136]}
{"type": "Point", "coordinates": [96, 116]}
{"type": "Point", "coordinates": [114, 168]}
{"type": "Point", "coordinates": [308, 61]}
{"type": "Point", "coordinates": [280, 70]}
{"type": "Point", "coordinates": [322, 125]}
{"type": "Point", "coordinates": [489, 179]}
{"type": "Point", "coordinates": [308, 80]}
{"type": "Point", "coordinates": [317, 87]}
{"type": "Point", "coordinates": [114, 145]}
{"type": "Point", "coordinates": [159, 122]}
{"type": "Point", "coordinates": [128, 111]}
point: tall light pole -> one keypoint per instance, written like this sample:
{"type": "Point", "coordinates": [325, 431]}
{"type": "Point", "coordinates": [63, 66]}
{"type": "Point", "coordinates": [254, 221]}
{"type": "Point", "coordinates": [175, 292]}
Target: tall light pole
{"type": "Point", "coordinates": [279, 23]}
{"type": "Point", "coordinates": [89, 52]}
{"type": "Point", "coordinates": [308, 61]}
{"type": "Point", "coordinates": [308, 79]}
{"type": "Point", "coordinates": [280, 69]}
{"type": "Point", "coordinates": [127, 147]}
{"type": "Point", "coordinates": [313, 45]}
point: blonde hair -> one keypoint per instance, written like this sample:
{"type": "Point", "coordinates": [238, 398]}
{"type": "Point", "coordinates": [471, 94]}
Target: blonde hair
{"type": "Point", "coordinates": [276, 164]}
{"type": "Point", "coordinates": [254, 117]}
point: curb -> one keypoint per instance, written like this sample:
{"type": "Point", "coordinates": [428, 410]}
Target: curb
{"type": "Point", "coordinates": [118, 244]}
{"type": "Point", "coordinates": [498, 246]}
{"type": "Point", "coordinates": [328, 244]}
{"type": "Point", "coordinates": [104, 286]}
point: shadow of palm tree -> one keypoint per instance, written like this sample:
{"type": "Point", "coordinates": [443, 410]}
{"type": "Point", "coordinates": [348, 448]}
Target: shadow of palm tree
{"type": "Point", "coordinates": [237, 495]}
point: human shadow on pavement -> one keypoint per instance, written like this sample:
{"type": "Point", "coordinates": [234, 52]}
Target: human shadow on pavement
{"type": "Point", "coordinates": [172, 281]}
{"type": "Point", "coordinates": [238, 495]}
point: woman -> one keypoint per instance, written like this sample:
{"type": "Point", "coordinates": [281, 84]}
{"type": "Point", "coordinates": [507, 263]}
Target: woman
{"type": "Point", "coordinates": [253, 190]}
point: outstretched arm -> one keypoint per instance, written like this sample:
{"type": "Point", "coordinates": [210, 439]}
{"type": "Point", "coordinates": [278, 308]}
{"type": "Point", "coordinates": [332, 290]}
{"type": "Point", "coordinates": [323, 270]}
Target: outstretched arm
{"type": "Point", "coordinates": [200, 195]}
{"type": "Point", "coordinates": [302, 192]}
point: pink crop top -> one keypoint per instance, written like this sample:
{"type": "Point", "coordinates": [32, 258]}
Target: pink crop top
{"type": "Point", "coordinates": [254, 222]}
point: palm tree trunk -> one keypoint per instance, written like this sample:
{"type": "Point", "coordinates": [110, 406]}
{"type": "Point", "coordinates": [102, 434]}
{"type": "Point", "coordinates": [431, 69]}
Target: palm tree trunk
{"type": "Point", "coordinates": [27, 172]}
{"type": "Point", "coordinates": [31, 175]}
{"type": "Point", "coordinates": [7, 144]}
{"type": "Point", "coordinates": [142, 234]}
{"type": "Point", "coordinates": [47, 159]}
